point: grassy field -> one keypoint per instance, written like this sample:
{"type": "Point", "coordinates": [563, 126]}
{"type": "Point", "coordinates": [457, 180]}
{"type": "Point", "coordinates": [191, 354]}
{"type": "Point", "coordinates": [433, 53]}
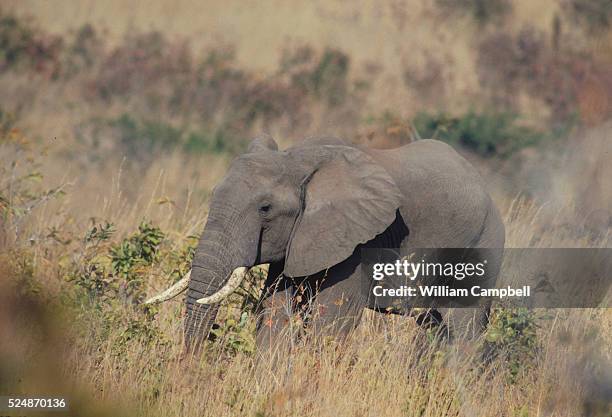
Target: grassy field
{"type": "Point", "coordinates": [118, 118]}
{"type": "Point", "coordinates": [67, 329]}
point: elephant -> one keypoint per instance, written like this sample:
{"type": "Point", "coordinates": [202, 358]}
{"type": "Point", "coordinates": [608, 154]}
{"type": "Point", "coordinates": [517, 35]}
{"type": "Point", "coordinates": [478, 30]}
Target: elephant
{"type": "Point", "coordinates": [309, 209]}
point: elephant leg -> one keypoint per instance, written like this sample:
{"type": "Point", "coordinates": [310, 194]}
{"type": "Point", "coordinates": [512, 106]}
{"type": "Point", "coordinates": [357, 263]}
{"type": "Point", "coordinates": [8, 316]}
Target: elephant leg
{"type": "Point", "coordinates": [277, 308]}
{"type": "Point", "coordinates": [470, 323]}
{"type": "Point", "coordinates": [338, 302]}
{"type": "Point", "coordinates": [464, 323]}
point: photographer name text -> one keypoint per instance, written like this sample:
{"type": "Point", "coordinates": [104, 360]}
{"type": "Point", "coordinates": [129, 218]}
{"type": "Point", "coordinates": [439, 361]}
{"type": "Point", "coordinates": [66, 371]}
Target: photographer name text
{"type": "Point", "coordinates": [447, 291]}
{"type": "Point", "coordinates": [408, 271]}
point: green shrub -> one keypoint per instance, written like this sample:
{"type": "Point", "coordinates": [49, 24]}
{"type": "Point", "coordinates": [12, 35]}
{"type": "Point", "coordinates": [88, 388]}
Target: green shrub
{"type": "Point", "coordinates": [236, 335]}
{"type": "Point", "coordinates": [141, 138]}
{"type": "Point", "coordinates": [89, 271]}
{"type": "Point", "coordinates": [99, 233]}
{"type": "Point", "coordinates": [109, 280]}
{"type": "Point", "coordinates": [329, 78]}
{"type": "Point", "coordinates": [108, 285]}
{"type": "Point", "coordinates": [140, 248]}
{"type": "Point", "coordinates": [108, 273]}
{"type": "Point", "coordinates": [131, 255]}
{"type": "Point", "coordinates": [236, 325]}
{"type": "Point", "coordinates": [482, 11]}
{"type": "Point", "coordinates": [136, 137]}
{"type": "Point", "coordinates": [512, 336]}
{"type": "Point", "coordinates": [207, 142]}
{"type": "Point", "coordinates": [324, 76]}
{"type": "Point", "coordinates": [486, 134]}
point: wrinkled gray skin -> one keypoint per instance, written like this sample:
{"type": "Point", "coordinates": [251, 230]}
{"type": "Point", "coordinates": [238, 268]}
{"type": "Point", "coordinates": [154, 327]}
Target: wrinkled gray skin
{"type": "Point", "coordinates": [309, 209]}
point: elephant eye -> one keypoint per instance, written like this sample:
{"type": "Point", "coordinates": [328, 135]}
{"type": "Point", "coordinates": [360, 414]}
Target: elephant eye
{"type": "Point", "coordinates": [265, 208]}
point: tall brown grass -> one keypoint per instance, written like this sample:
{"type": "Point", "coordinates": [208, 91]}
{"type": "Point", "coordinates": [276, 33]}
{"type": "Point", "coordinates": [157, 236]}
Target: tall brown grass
{"type": "Point", "coordinates": [389, 366]}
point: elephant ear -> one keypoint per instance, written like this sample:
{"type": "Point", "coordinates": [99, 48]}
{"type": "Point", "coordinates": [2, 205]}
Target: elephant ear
{"type": "Point", "coordinates": [262, 143]}
{"type": "Point", "coordinates": [348, 199]}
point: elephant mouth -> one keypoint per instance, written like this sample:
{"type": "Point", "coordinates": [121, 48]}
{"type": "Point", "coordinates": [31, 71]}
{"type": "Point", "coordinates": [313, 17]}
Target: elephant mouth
{"type": "Point", "coordinates": [233, 282]}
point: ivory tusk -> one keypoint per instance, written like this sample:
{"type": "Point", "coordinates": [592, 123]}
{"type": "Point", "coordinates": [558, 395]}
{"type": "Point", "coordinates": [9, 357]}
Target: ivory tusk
{"type": "Point", "coordinates": [171, 292]}
{"type": "Point", "coordinates": [232, 284]}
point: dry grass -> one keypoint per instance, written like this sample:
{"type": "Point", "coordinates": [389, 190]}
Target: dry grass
{"type": "Point", "coordinates": [383, 369]}
{"type": "Point", "coordinates": [390, 373]}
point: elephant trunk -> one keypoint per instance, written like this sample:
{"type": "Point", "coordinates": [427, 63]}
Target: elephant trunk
{"type": "Point", "coordinates": [224, 252]}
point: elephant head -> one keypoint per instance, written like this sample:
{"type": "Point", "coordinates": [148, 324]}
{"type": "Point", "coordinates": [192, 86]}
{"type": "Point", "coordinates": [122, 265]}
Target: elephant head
{"type": "Point", "coordinates": [309, 206]}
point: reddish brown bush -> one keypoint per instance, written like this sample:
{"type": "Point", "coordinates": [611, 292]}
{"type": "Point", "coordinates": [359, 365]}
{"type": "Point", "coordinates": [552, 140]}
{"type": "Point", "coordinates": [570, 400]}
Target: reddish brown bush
{"type": "Point", "coordinates": [24, 47]}
{"type": "Point", "coordinates": [572, 83]}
